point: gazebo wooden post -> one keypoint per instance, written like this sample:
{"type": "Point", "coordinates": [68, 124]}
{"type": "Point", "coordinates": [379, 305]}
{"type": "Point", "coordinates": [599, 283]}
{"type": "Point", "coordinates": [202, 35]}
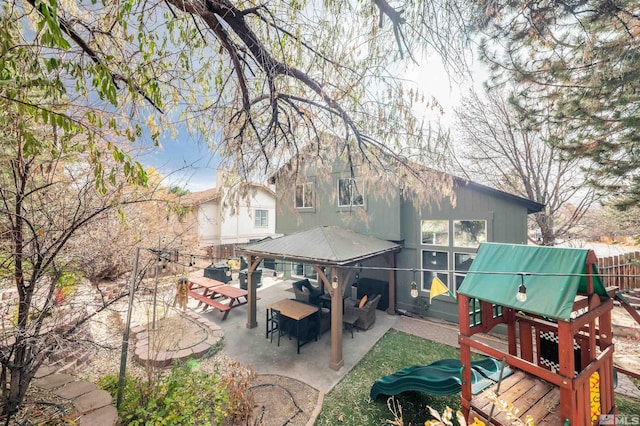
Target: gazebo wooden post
{"type": "Point", "coordinates": [337, 361]}
{"type": "Point", "coordinates": [253, 263]}
{"type": "Point", "coordinates": [391, 261]}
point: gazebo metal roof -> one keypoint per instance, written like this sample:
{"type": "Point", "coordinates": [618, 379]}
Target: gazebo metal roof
{"type": "Point", "coordinates": [324, 245]}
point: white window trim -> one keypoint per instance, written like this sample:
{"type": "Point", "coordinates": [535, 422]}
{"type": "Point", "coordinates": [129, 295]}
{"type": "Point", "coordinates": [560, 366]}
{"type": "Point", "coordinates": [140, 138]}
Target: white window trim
{"type": "Point", "coordinates": [449, 225]}
{"type": "Point", "coordinates": [457, 273]}
{"type": "Point", "coordinates": [453, 231]}
{"type": "Point", "coordinates": [438, 271]}
{"type": "Point", "coordinates": [255, 218]}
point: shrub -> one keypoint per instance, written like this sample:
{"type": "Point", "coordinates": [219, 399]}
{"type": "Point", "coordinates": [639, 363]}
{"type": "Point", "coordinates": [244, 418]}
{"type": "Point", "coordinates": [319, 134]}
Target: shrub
{"type": "Point", "coordinates": [65, 286]}
{"type": "Point", "coordinates": [186, 396]}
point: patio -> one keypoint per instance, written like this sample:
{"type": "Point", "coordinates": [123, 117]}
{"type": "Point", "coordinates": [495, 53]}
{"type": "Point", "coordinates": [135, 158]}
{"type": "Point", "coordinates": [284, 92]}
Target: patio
{"type": "Point", "coordinates": [250, 346]}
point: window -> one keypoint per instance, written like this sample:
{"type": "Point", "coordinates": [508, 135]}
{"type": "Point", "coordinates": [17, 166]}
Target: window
{"type": "Point", "coordinates": [349, 193]}
{"type": "Point", "coordinates": [469, 233]}
{"type": "Point", "coordinates": [462, 262]}
{"type": "Point", "coordinates": [304, 195]}
{"type": "Point", "coordinates": [302, 270]}
{"type": "Point", "coordinates": [261, 218]}
{"type": "Point", "coordinates": [435, 232]}
{"type": "Point", "coordinates": [434, 264]}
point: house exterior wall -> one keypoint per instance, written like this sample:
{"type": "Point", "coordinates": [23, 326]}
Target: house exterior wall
{"type": "Point", "coordinates": [393, 218]}
{"type": "Point", "coordinates": [506, 222]}
{"type": "Point", "coordinates": [209, 222]}
{"type": "Point", "coordinates": [241, 228]}
{"type": "Point", "coordinates": [212, 225]}
{"type": "Point", "coordinates": [379, 216]}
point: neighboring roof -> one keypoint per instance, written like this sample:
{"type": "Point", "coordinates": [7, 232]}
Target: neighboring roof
{"type": "Point", "coordinates": [552, 276]}
{"type": "Point", "coordinates": [331, 245]}
{"type": "Point", "coordinates": [199, 197]}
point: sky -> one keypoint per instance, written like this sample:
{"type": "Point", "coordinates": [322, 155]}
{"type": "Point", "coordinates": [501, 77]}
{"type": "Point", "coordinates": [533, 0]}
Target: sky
{"type": "Point", "coordinates": [184, 161]}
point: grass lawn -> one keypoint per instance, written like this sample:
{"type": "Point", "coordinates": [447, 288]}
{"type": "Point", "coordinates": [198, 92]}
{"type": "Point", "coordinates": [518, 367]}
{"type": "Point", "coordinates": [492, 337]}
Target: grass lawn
{"type": "Point", "coordinates": [348, 402]}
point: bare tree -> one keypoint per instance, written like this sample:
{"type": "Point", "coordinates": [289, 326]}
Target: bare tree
{"type": "Point", "coordinates": [271, 76]}
{"type": "Point", "coordinates": [497, 147]}
{"type": "Point", "coordinates": [80, 82]}
{"type": "Point", "coordinates": [56, 183]}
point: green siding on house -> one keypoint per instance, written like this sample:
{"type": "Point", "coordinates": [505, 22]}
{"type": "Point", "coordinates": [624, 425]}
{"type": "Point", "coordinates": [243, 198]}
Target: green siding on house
{"type": "Point", "coordinates": [379, 217]}
{"type": "Point", "coordinates": [393, 218]}
{"type": "Point", "coordinates": [506, 222]}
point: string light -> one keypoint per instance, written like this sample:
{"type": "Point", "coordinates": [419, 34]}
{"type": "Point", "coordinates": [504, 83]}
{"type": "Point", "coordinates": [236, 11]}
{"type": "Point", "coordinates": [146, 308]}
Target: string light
{"type": "Point", "coordinates": [444, 271]}
{"type": "Point", "coordinates": [414, 286]}
{"type": "Point", "coordinates": [522, 290]}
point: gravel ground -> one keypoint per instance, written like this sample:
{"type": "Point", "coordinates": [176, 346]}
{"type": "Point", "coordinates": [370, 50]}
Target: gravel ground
{"type": "Point", "coordinates": [278, 400]}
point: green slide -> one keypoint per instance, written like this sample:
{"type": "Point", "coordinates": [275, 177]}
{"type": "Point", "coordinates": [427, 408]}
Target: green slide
{"type": "Point", "coordinates": [488, 367]}
{"type": "Point", "coordinates": [441, 377]}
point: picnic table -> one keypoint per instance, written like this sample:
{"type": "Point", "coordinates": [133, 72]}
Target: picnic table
{"type": "Point", "coordinates": [212, 290]}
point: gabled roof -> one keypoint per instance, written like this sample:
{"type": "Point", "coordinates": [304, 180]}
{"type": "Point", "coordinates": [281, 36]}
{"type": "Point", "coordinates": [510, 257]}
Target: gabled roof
{"type": "Point", "coordinates": [329, 245]}
{"type": "Point", "coordinates": [531, 206]}
{"type": "Point", "coordinates": [552, 276]}
{"type": "Point", "coordinates": [200, 197]}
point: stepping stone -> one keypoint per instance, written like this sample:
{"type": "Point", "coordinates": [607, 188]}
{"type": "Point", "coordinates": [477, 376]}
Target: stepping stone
{"type": "Point", "coordinates": [105, 416]}
{"type": "Point", "coordinates": [92, 400]}
{"type": "Point", "coordinates": [44, 371]}
{"type": "Point", "coordinates": [53, 381]}
{"type": "Point", "coordinates": [75, 389]}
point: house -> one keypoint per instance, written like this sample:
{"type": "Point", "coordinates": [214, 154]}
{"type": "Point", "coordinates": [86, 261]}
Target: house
{"type": "Point", "coordinates": [222, 226]}
{"type": "Point", "coordinates": [438, 237]}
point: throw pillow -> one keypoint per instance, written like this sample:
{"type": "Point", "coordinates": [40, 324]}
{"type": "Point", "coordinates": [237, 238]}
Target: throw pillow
{"type": "Point", "coordinates": [362, 301]}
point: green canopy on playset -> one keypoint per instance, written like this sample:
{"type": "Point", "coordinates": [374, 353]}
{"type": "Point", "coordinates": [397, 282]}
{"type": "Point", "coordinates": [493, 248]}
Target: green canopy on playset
{"type": "Point", "coordinates": [552, 277]}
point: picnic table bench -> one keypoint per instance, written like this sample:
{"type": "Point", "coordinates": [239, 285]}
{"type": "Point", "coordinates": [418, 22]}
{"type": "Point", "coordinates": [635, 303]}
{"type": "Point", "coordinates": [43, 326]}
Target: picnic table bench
{"type": "Point", "coordinates": [208, 301]}
{"type": "Point", "coordinates": [212, 290]}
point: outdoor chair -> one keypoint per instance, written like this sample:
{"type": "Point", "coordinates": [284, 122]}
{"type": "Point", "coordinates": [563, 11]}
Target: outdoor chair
{"type": "Point", "coordinates": [277, 323]}
{"type": "Point", "coordinates": [366, 315]}
{"type": "Point", "coordinates": [307, 292]}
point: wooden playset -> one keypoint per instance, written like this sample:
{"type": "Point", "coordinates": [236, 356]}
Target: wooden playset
{"type": "Point", "coordinates": [557, 316]}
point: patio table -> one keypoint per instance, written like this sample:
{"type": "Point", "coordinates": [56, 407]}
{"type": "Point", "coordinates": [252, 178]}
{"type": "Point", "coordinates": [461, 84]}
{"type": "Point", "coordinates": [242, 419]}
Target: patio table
{"type": "Point", "coordinates": [300, 313]}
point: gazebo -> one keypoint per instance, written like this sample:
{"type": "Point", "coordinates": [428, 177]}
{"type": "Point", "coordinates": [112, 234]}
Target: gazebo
{"type": "Point", "coordinates": [558, 319]}
{"type": "Point", "coordinates": [334, 253]}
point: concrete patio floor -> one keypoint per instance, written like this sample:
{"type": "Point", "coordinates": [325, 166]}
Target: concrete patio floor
{"type": "Point", "coordinates": [311, 366]}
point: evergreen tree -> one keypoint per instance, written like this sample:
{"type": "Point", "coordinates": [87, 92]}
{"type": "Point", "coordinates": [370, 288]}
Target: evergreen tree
{"type": "Point", "coordinates": [581, 57]}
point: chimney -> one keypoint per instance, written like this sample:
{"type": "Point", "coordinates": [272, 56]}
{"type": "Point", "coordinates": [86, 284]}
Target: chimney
{"type": "Point", "coordinates": [219, 177]}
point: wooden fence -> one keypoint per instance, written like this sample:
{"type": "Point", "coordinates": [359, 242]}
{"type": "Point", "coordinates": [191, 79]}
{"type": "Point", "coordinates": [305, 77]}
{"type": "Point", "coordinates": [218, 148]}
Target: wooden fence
{"type": "Point", "coordinates": [621, 270]}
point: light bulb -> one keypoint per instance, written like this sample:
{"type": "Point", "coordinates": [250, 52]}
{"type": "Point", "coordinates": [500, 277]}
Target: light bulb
{"type": "Point", "coordinates": [334, 283]}
{"type": "Point", "coordinates": [522, 293]}
{"type": "Point", "coordinates": [414, 289]}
